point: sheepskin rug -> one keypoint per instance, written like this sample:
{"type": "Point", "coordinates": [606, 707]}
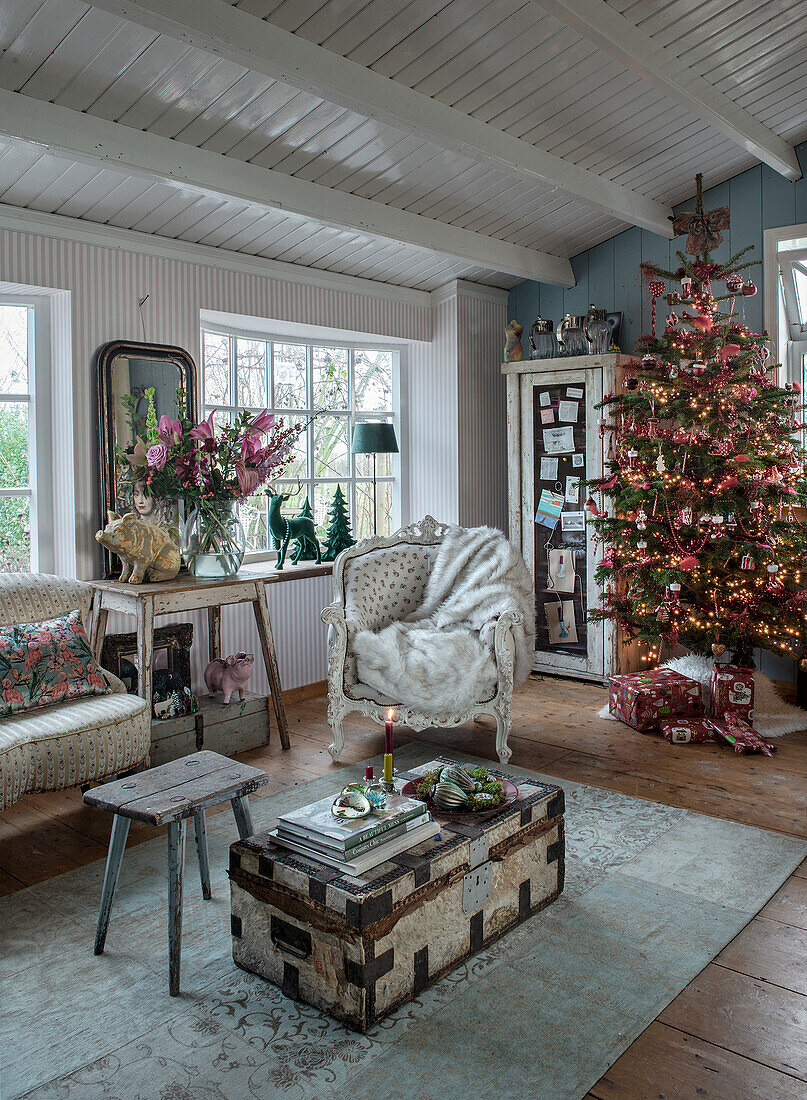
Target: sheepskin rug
{"type": "Point", "coordinates": [773, 717]}
{"type": "Point", "coordinates": [440, 658]}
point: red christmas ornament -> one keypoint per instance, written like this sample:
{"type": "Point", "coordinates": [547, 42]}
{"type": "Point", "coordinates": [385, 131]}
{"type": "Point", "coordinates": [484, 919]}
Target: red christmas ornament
{"type": "Point", "coordinates": [672, 320]}
{"type": "Point", "coordinates": [688, 563]}
{"type": "Point", "coordinates": [728, 351]}
{"type": "Point", "coordinates": [728, 482]}
{"type": "Point", "coordinates": [702, 322]}
{"type": "Point", "coordinates": [734, 283]}
{"type": "Point", "coordinates": [749, 289]}
{"type": "Point", "coordinates": [698, 369]}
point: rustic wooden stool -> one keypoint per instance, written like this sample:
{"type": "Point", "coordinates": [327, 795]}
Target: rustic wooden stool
{"type": "Point", "coordinates": [169, 795]}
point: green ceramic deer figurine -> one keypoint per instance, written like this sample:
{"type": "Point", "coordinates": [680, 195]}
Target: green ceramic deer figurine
{"type": "Point", "coordinates": [284, 528]}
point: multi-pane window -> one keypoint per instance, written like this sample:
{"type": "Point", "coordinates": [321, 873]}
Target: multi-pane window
{"type": "Point", "coordinates": [17, 439]}
{"type": "Point", "coordinates": [328, 387]}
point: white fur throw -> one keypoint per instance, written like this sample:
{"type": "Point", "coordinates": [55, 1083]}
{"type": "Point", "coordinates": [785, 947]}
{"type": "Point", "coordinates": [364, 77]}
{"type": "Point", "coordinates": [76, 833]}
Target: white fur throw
{"type": "Point", "coordinates": [440, 658]}
{"type": "Point", "coordinates": [773, 717]}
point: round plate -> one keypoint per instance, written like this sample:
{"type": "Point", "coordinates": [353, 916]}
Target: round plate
{"type": "Point", "coordinates": [409, 790]}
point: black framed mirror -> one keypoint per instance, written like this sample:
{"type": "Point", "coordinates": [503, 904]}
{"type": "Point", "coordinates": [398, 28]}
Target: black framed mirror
{"type": "Point", "coordinates": [133, 376]}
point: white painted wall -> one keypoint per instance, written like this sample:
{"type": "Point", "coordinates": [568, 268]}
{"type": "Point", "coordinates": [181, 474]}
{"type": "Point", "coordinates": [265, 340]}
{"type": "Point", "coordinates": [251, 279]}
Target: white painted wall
{"type": "Point", "coordinates": [454, 384]}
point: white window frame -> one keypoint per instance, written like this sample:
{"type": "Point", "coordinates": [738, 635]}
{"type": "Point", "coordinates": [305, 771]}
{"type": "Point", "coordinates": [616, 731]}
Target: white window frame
{"type": "Point", "coordinates": [794, 328]}
{"type": "Point", "coordinates": [40, 452]}
{"type": "Point", "coordinates": [398, 478]}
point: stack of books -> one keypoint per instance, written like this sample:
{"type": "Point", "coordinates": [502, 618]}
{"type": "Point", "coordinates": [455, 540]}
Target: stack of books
{"type": "Point", "coordinates": [357, 846]}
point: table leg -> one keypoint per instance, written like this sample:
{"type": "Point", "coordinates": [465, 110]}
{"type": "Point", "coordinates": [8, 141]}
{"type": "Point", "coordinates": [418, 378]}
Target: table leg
{"type": "Point", "coordinates": [200, 832]}
{"type": "Point", "coordinates": [264, 624]}
{"type": "Point", "coordinates": [243, 816]}
{"type": "Point", "coordinates": [145, 648]}
{"type": "Point", "coordinates": [117, 845]}
{"type": "Point", "coordinates": [213, 632]}
{"type": "Point", "coordinates": [176, 863]}
{"type": "Point", "coordinates": [98, 621]}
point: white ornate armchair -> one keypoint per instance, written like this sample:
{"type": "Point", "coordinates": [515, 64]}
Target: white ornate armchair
{"type": "Point", "coordinates": [379, 581]}
{"type": "Point", "coordinates": [67, 744]}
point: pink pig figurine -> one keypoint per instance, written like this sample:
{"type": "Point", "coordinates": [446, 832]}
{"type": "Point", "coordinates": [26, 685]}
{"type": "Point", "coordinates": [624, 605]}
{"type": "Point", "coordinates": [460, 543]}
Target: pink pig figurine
{"type": "Point", "coordinates": [229, 675]}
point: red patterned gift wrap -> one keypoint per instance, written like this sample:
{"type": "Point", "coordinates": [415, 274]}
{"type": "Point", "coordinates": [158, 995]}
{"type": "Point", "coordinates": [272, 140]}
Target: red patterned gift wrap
{"type": "Point", "coordinates": [742, 737]}
{"type": "Point", "coordinates": [689, 731]}
{"type": "Point", "coordinates": [644, 700]}
{"type": "Point", "coordinates": [733, 692]}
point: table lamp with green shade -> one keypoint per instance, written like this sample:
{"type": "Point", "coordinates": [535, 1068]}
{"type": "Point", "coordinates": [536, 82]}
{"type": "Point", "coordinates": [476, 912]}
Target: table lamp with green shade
{"type": "Point", "coordinates": [374, 437]}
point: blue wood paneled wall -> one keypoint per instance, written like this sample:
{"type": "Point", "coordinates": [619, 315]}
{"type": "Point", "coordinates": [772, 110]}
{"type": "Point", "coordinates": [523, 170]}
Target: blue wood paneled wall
{"type": "Point", "coordinates": [608, 274]}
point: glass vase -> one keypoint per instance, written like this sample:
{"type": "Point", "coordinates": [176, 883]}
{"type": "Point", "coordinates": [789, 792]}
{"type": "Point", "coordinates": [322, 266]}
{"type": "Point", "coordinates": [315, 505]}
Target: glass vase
{"type": "Point", "coordinates": [211, 538]}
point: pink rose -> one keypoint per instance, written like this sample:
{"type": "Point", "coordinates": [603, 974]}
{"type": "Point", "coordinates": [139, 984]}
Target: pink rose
{"type": "Point", "coordinates": [157, 456]}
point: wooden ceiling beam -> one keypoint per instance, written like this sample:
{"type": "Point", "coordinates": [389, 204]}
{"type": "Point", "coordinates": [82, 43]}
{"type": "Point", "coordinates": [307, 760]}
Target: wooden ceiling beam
{"type": "Point", "coordinates": [604, 27]}
{"type": "Point", "coordinates": [94, 140]}
{"type": "Point", "coordinates": [227, 32]}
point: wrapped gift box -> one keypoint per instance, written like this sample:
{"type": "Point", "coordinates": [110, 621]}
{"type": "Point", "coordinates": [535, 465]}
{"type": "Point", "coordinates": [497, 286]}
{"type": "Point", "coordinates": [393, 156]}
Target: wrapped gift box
{"type": "Point", "coordinates": [741, 736]}
{"type": "Point", "coordinates": [689, 731]}
{"type": "Point", "coordinates": [644, 700]}
{"type": "Point", "coordinates": [733, 692]}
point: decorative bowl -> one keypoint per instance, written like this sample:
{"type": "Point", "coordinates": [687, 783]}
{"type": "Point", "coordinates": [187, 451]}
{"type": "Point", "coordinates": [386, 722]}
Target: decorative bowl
{"type": "Point", "coordinates": [409, 790]}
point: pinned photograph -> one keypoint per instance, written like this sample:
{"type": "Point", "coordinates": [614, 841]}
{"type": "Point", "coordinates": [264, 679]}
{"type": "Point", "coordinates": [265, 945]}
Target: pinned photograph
{"type": "Point", "coordinates": [573, 521]}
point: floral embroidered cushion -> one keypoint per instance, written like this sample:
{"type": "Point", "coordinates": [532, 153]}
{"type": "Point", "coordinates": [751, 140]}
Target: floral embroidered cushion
{"type": "Point", "coordinates": [46, 663]}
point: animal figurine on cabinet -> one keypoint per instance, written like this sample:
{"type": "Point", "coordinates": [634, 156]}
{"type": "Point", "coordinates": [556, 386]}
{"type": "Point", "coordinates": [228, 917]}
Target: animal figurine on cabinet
{"type": "Point", "coordinates": [229, 674]}
{"type": "Point", "coordinates": [145, 549]}
{"type": "Point", "coordinates": [285, 528]}
{"type": "Point", "coordinates": [513, 351]}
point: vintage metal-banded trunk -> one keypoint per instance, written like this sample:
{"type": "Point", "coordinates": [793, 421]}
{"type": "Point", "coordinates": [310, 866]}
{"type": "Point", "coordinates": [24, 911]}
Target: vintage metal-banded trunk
{"type": "Point", "coordinates": [359, 947]}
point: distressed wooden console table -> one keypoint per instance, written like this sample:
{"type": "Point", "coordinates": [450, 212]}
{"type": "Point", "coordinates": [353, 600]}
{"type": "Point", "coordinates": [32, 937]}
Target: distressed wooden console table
{"type": "Point", "coordinates": [185, 594]}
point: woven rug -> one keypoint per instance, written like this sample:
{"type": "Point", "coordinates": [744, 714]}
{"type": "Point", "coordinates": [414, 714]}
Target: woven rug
{"type": "Point", "coordinates": [652, 894]}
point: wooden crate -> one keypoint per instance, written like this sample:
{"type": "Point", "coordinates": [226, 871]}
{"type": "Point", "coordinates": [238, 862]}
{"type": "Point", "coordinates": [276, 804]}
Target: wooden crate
{"type": "Point", "coordinates": [359, 947]}
{"type": "Point", "coordinates": [226, 729]}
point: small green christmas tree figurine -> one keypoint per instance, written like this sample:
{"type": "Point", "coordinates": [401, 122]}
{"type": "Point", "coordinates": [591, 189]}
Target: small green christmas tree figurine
{"type": "Point", "coordinates": [339, 536]}
{"type": "Point", "coordinates": [305, 549]}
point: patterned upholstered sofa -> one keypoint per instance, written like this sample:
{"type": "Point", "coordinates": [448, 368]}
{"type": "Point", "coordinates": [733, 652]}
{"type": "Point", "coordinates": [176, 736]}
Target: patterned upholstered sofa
{"type": "Point", "coordinates": [70, 743]}
{"type": "Point", "coordinates": [379, 581]}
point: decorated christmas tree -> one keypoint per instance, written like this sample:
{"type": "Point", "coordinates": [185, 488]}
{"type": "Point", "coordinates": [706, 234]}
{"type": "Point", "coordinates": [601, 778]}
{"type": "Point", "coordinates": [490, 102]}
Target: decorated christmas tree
{"type": "Point", "coordinates": [339, 536]}
{"type": "Point", "coordinates": [700, 543]}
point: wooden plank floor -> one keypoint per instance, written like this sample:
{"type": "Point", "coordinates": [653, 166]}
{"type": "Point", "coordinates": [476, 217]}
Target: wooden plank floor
{"type": "Point", "coordinates": [739, 1030]}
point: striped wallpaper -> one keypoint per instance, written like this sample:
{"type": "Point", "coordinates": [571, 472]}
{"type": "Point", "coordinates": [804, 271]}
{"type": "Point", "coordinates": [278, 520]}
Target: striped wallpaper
{"type": "Point", "coordinates": [454, 383]}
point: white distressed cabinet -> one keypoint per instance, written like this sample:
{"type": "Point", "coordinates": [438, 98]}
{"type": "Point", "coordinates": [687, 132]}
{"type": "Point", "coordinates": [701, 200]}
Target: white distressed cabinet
{"type": "Point", "coordinates": [595, 654]}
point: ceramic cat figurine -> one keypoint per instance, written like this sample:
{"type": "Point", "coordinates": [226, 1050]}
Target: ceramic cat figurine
{"type": "Point", "coordinates": [513, 352]}
{"type": "Point", "coordinates": [145, 549]}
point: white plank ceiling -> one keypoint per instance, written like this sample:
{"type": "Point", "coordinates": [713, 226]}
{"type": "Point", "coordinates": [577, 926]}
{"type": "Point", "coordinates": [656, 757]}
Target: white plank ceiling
{"type": "Point", "coordinates": [506, 63]}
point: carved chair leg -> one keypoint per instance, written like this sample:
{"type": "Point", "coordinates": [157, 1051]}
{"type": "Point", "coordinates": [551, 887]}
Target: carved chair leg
{"type": "Point", "coordinates": [335, 720]}
{"type": "Point", "coordinates": [503, 713]}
